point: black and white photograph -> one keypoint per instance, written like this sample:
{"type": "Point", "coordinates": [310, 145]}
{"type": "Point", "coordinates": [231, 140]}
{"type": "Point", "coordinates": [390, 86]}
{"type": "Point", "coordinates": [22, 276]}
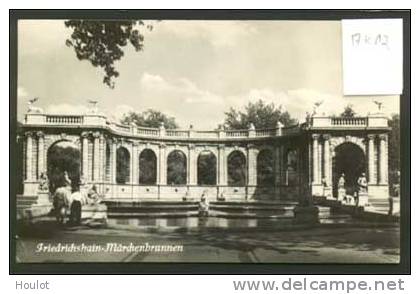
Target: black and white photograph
{"type": "Point", "coordinates": [241, 141]}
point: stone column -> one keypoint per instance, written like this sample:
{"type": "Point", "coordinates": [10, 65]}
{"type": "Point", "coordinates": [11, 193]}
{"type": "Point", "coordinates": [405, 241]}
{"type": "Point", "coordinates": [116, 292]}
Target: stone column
{"type": "Point", "coordinates": [41, 164]}
{"type": "Point", "coordinates": [371, 159]}
{"type": "Point", "coordinates": [162, 164]}
{"type": "Point", "coordinates": [252, 165]}
{"type": "Point", "coordinates": [383, 159]}
{"type": "Point", "coordinates": [113, 162]}
{"type": "Point", "coordinates": [327, 160]}
{"type": "Point", "coordinates": [29, 167]}
{"type": "Point", "coordinates": [222, 169]}
{"type": "Point", "coordinates": [192, 165]}
{"type": "Point", "coordinates": [102, 157]}
{"type": "Point", "coordinates": [135, 172]}
{"type": "Point", "coordinates": [96, 165]}
{"type": "Point", "coordinates": [315, 159]}
{"type": "Point", "coordinates": [85, 156]}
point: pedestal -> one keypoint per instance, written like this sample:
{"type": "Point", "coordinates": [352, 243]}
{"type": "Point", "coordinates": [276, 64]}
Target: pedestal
{"type": "Point", "coordinates": [341, 194]}
{"type": "Point", "coordinates": [363, 198]}
{"type": "Point", "coordinates": [30, 188]}
{"type": "Point", "coordinates": [327, 192]}
{"type": "Point", "coordinates": [44, 198]}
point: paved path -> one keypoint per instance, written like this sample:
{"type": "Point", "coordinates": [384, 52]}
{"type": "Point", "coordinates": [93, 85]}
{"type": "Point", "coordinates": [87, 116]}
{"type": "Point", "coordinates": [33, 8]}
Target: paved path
{"type": "Point", "coordinates": [318, 245]}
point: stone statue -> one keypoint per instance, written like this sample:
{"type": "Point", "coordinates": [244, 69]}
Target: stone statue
{"type": "Point", "coordinates": [362, 183]}
{"type": "Point", "coordinates": [32, 108]}
{"type": "Point", "coordinates": [324, 186]}
{"type": "Point", "coordinates": [93, 106]}
{"type": "Point", "coordinates": [341, 181]}
{"type": "Point", "coordinates": [67, 180]}
{"type": "Point", "coordinates": [83, 184]}
{"type": "Point", "coordinates": [362, 195]}
{"type": "Point", "coordinates": [316, 106]}
{"type": "Point", "coordinates": [379, 104]}
{"type": "Point", "coordinates": [341, 188]}
{"type": "Point", "coordinates": [43, 182]}
{"type": "Point", "coordinates": [204, 205]}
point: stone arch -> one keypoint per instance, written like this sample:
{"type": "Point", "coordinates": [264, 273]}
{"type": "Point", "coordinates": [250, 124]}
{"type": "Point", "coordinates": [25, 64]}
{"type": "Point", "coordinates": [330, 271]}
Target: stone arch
{"type": "Point", "coordinates": [336, 141]}
{"type": "Point", "coordinates": [237, 168]}
{"type": "Point", "coordinates": [291, 166]}
{"type": "Point", "coordinates": [348, 159]}
{"type": "Point", "coordinates": [51, 140]}
{"type": "Point", "coordinates": [63, 155]}
{"type": "Point", "coordinates": [265, 167]}
{"type": "Point", "coordinates": [147, 167]}
{"type": "Point", "coordinates": [207, 168]}
{"type": "Point", "coordinates": [123, 165]}
{"type": "Point", "coordinates": [176, 170]}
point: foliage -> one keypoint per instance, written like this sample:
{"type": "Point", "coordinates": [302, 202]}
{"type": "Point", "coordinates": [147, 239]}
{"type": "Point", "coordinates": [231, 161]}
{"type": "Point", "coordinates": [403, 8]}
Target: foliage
{"type": "Point", "coordinates": [206, 169]}
{"type": "Point", "coordinates": [147, 167]}
{"type": "Point", "coordinates": [123, 166]}
{"type": "Point", "coordinates": [150, 118]}
{"type": "Point", "coordinates": [61, 159]}
{"type": "Point", "coordinates": [20, 157]}
{"type": "Point", "coordinates": [100, 42]}
{"type": "Point", "coordinates": [350, 161]}
{"type": "Point", "coordinates": [265, 168]}
{"type": "Point", "coordinates": [348, 112]}
{"type": "Point", "coordinates": [236, 169]}
{"type": "Point", "coordinates": [394, 149]}
{"type": "Point", "coordinates": [177, 168]}
{"type": "Point", "coordinates": [260, 113]}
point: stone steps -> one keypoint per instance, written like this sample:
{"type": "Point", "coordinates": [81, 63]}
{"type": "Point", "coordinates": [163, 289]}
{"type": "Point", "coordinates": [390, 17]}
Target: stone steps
{"type": "Point", "coordinates": [328, 215]}
{"type": "Point", "coordinates": [255, 203]}
{"type": "Point", "coordinates": [220, 209]}
{"type": "Point", "coordinates": [24, 201]}
{"type": "Point", "coordinates": [186, 214]}
{"type": "Point", "coordinates": [378, 205]}
{"type": "Point", "coordinates": [179, 209]}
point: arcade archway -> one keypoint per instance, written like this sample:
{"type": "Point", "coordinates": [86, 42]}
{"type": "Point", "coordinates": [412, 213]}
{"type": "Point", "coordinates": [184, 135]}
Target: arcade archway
{"type": "Point", "coordinates": [63, 156]}
{"type": "Point", "coordinates": [236, 169]}
{"type": "Point", "coordinates": [147, 167]}
{"type": "Point", "coordinates": [123, 166]}
{"type": "Point", "coordinates": [206, 168]}
{"type": "Point", "coordinates": [265, 168]}
{"type": "Point", "coordinates": [349, 160]}
{"type": "Point", "coordinates": [177, 168]}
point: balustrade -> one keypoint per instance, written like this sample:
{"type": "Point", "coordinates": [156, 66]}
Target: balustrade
{"type": "Point", "coordinates": [349, 121]}
{"type": "Point", "coordinates": [64, 119]}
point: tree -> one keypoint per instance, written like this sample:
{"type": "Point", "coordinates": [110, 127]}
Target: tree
{"type": "Point", "coordinates": [62, 157]}
{"type": "Point", "coordinates": [237, 173]}
{"type": "Point", "coordinates": [176, 168]}
{"type": "Point", "coordinates": [348, 112]}
{"type": "Point", "coordinates": [147, 167]}
{"type": "Point", "coordinates": [150, 118]}
{"type": "Point", "coordinates": [206, 168]}
{"type": "Point", "coordinates": [19, 160]}
{"type": "Point", "coordinates": [394, 148]}
{"type": "Point", "coordinates": [101, 42]}
{"type": "Point", "coordinates": [261, 114]}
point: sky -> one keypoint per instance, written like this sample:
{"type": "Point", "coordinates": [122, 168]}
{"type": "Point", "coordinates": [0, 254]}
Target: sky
{"type": "Point", "coordinates": [194, 71]}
